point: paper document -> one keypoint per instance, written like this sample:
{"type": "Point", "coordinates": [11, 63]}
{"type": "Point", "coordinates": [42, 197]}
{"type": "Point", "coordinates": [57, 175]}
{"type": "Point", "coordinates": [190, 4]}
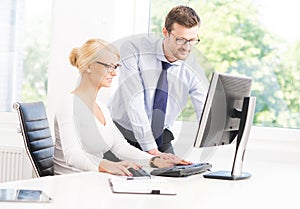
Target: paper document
{"type": "Point", "coordinates": [141, 186]}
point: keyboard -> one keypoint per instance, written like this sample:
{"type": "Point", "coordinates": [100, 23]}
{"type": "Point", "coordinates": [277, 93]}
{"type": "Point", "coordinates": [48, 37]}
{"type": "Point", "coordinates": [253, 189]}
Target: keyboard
{"type": "Point", "coordinates": [182, 170]}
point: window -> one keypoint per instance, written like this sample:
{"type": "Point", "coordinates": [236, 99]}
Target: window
{"type": "Point", "coordinates": [11, 44]}
{"type": "Point", "coordinates": [237, 38]}
{"type": "Point", "coordinates": [37, 33]}
{"type": "Point", "coordinates": [257, 38]}
{"type": "Point", "coordinates": [24, 50]}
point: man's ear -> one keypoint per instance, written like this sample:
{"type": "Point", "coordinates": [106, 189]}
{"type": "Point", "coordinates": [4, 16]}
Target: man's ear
{"type": "Point", "coordinates": [165, 31]}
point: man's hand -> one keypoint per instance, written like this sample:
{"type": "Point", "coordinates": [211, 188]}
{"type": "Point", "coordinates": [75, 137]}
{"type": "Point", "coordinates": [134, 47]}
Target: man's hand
{"type": "Point", "coordinates": [154, 152]}
{"type": "Point", "coordinates": [170, 158]}
{"type": "Point", "coordinates": [163, 163]}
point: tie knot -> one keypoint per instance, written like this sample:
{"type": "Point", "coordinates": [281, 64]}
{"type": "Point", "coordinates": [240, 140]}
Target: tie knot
{"type": "Point", "coordinates": [165, 65]}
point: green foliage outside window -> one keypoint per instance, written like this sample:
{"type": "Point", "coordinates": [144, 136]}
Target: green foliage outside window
{"type": "Point", "coordinates": [233, 40]}
{"type": "Point", "coordinates": [36, 50]}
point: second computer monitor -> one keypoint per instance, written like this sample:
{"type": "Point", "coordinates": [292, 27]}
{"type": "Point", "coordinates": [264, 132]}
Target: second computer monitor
{"type": "Point", "coordinates": [220, 121]}
{"type": "Point", "coordinates": [228, 114]}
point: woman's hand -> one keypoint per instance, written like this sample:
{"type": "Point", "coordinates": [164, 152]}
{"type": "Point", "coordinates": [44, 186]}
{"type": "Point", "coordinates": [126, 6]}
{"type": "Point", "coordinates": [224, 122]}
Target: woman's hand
{"type": "Point", "coordinates": [117, 168]}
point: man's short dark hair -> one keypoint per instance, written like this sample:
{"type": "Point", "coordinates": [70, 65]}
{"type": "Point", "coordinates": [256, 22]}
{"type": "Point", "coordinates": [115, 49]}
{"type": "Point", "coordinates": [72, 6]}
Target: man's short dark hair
{"type": "Point", "coordinates": [182, 15]}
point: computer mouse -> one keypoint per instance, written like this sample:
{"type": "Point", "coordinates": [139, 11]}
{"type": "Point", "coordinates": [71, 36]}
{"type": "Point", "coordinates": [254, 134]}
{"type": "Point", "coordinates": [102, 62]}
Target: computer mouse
{"type": "Point", "coordinates": [139, 172]}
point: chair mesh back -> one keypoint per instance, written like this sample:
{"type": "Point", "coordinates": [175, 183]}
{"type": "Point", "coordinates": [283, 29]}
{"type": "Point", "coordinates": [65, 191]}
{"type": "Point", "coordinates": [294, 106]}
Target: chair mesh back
{"type": "Point", "coordinates": [37, 136]}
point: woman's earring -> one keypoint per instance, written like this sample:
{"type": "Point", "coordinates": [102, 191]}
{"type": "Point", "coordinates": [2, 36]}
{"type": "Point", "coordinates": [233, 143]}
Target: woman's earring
{"type": "Point", "coordinates": [88, 70]}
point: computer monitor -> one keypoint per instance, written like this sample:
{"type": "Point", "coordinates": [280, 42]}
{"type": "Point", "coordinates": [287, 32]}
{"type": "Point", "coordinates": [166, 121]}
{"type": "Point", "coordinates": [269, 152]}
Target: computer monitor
{"type": "Point", "coordinates": [228, 114]}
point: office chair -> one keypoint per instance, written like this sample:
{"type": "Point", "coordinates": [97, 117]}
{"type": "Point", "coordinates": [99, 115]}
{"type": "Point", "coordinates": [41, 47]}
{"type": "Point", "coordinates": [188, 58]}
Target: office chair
{"type": "Point", "coordinates": [37, 136]}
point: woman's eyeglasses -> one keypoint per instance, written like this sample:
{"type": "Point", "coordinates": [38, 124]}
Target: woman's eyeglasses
{"type": "Point", "coordinates": [110, 67]}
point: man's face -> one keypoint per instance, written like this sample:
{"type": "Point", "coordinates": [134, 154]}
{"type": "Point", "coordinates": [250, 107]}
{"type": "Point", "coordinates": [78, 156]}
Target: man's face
{"type": "Point", "coordinates": [179, 42]}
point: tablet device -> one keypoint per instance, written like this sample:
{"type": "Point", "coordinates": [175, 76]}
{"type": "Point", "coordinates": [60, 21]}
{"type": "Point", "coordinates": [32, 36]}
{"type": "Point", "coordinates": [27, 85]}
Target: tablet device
{"type": "Point", "coordinates": [23, 195]}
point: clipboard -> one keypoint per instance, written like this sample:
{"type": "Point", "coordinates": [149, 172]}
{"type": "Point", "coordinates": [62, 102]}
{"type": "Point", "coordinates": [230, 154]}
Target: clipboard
{"type": "Point", "coordinates": [24, 195]}
{"type": "Point", "coordinates": [140, 186]}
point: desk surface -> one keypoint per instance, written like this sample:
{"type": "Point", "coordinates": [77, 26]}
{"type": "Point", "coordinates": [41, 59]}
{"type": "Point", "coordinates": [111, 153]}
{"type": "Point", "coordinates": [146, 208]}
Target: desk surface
{"type": "Point", "coordinates": [272, 185]}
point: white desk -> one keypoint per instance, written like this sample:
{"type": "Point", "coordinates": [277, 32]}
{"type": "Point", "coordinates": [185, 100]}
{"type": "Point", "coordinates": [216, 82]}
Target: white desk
{"type": "Point", "coordinates": [272, 185]}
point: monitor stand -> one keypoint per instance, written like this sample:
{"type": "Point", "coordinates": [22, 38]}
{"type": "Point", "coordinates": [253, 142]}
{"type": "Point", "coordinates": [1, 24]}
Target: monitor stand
{"type": "Point", "coordinates": [246, 120]}
{"type": "Point", "coordinates": [227, 175]}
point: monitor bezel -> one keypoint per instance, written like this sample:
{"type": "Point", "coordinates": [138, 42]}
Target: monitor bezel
{"type": "Point", "coordinates": [198, 143]}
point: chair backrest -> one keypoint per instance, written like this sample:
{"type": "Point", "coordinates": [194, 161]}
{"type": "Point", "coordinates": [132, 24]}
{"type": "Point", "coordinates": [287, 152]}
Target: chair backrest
{"type": "Point", "coordinates": [37, 136]}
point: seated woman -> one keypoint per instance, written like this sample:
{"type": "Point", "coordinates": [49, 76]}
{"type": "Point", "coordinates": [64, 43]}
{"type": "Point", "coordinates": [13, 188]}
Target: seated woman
{"type": "Point", "coordinates": [84, 130]}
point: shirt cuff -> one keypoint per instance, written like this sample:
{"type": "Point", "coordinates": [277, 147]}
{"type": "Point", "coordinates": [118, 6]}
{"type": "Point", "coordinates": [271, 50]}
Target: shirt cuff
{"type": "Point", "coordinates": [148, 145]}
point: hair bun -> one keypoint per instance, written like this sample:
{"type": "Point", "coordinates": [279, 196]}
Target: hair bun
{"type": "Point", "coordinates": [73, 57]}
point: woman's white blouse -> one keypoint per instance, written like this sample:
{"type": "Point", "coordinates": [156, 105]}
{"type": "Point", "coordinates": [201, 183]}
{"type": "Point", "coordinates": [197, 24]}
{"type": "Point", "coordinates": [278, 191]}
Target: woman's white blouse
{"type": "Point", "coordinates": [81, 140]}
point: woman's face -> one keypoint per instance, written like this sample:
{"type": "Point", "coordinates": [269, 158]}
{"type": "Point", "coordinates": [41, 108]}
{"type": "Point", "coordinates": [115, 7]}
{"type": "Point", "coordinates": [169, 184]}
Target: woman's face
{"type": "Point", "coordinates": [103, 70]}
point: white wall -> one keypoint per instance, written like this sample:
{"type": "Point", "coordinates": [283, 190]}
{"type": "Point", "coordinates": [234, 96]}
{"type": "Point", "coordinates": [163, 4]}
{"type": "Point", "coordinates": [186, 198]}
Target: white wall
{"type": "Point", "coordinates": [8, 129]}
{"type": "Point", "coordinates": [260, 138]}
{"type": "Point", "coordinates": [76, 21]}
{"type": "Point", "coordinates": [10, 139]}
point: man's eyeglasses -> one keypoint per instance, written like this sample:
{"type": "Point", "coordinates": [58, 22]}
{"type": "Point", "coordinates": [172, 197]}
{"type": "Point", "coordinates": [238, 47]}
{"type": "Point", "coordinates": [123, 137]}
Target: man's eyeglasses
{"type": "Point", "coordinates": [109, 67]}
{"type": "Point", "coordinates": [183, 41]}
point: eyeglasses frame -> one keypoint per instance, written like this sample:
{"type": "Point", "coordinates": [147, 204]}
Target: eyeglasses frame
{"type": "Point", "coordinates": [110, 67]}
{"type": "Point", "coordinates": [186, 41]}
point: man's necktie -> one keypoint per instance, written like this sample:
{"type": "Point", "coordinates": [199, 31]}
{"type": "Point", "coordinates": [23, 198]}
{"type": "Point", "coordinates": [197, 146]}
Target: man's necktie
{"type": "Point", "coordinates": [160, 104]}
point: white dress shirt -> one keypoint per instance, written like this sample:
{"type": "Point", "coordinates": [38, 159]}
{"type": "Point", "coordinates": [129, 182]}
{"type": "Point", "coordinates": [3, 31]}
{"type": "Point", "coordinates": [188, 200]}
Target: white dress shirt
{"type": "Point", "coordinates": [132, 103]}
{"type": "Point", "coordinates": [81, 140]}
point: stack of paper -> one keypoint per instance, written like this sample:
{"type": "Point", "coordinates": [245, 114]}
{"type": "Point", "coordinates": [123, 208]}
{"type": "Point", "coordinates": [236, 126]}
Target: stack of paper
{"type": "Point", "coordinates": [141, 186]}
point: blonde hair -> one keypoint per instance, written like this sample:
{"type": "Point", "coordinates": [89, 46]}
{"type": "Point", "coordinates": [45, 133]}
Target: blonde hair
{"type": "Point", "coordinates": [91, 51]}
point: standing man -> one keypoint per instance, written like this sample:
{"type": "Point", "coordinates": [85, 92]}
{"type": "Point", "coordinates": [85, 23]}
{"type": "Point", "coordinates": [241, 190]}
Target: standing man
{"type": "Point", "coordinates": [156, 78]}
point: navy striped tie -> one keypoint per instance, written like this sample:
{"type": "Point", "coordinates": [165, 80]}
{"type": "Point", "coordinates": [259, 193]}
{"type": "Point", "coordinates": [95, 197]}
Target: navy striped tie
{"type": "Point", "coordinates": [160, 104]}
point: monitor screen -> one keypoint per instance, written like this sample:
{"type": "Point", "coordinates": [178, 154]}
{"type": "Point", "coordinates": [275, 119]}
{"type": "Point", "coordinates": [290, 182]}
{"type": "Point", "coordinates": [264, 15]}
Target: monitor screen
{"type": "Point", "coordinates": [228, 114]}
{"type": "Point", "coordinates": [221, 115]}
